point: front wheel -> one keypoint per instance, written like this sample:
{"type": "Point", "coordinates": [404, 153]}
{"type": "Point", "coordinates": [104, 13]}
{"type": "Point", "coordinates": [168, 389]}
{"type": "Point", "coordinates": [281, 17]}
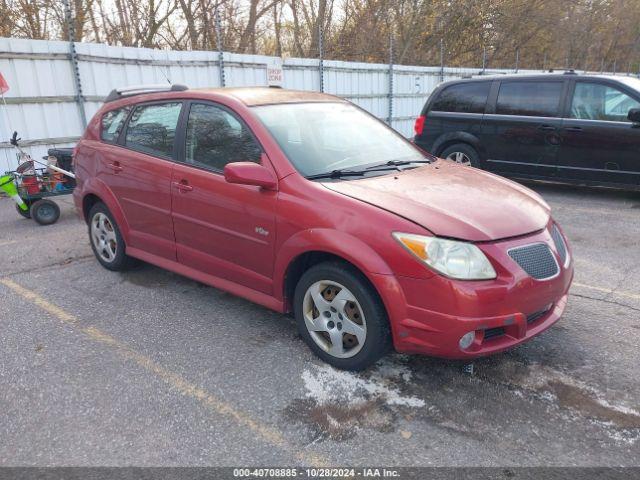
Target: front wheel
{"type": "Point", "coordinates": [341, 317]}
{"type": "Point", "coordinates": [24, 213]}
{"type": "Point", "coordinates": [462, 153]}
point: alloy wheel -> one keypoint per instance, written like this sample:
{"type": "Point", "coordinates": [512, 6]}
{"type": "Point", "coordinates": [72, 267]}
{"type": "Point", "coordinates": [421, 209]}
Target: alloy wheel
{"type": "Point", "coordinates": [334, 319]}
{"type": "Point", "coordinates": [104, 238]}
{"type": "Point", "coordinates": [459, 157]}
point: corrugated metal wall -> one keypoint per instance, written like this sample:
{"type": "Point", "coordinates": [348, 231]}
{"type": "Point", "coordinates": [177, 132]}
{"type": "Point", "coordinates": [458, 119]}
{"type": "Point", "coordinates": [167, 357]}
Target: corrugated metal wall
{"type": "Point", "coordinates": [41, 104]}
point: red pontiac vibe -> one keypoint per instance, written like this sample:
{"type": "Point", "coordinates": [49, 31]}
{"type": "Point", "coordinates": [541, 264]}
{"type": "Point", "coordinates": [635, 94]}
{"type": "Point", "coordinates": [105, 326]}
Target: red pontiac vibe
{"type": "Point", "coordinates": [304, 203]}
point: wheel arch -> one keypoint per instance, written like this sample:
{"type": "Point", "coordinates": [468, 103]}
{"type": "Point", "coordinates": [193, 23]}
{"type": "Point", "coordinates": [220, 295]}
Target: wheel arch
{"type": "Point", "coordinates": [445, 141]}
{"type": "Point", "coordinates": [308, 248]}
{"type": "Point", "coordinates": [96, 191]}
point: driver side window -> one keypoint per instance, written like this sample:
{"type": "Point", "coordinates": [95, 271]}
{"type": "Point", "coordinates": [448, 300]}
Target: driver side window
{"type": "Point", "coordinates": [215, 137]}
{"type": "Point", "coordinates": [596, 101]}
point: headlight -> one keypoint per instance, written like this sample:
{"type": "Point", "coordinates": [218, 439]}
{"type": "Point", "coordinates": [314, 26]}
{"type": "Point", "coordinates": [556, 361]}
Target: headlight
{"type": "Point", "coordinates": [459, 260]}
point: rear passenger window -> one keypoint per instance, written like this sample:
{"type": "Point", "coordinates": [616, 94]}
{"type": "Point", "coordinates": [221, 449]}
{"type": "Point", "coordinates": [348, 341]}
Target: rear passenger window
{"type": "Point", "coordinates": [152, 128]}
{"type": "Point", "coordinates": [215, 137]}
{"type": "Point", "coordinates": [466, 98]}
{"type": "Point", "coordinates": [112, 123]}
{"type": "Point", "coordinates": [533, 99]}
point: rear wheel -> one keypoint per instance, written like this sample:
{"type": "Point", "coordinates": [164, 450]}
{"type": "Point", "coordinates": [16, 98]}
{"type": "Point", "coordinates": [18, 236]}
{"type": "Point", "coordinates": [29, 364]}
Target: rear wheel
{"type": "Point", "coordinates": [461, 153]}
{"type": "Point", "coordinates": [106, 241]}
{"type": "Point", "coordinates": [44, 212]}
{"type": "Point", "coordinates": [341, 317]}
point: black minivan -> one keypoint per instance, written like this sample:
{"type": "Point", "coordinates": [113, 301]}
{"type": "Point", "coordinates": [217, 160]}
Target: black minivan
{"type": "Point", "coordinates": [565, 127]}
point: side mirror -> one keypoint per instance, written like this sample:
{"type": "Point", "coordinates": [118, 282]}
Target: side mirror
{"type": "Point", "coordinates": [249, 173]}
{"type": "Point", "coordinates": [634, 115]}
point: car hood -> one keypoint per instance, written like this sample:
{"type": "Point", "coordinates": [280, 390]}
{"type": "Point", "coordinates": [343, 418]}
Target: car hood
{"type": "Point", "coordinates": [453, 201]}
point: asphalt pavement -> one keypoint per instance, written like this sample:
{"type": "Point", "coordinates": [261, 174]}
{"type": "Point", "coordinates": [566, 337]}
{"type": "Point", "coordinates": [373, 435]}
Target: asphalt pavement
{"type": "Point", "coordinates": [149, 368]}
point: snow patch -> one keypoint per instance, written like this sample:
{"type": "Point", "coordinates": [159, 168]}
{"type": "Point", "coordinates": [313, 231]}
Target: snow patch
{"type": "Point", "coordinates": [325, 384]}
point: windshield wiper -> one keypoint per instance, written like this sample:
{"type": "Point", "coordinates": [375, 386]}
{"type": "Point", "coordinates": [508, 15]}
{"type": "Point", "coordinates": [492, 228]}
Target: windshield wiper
{"type": "Point", "coordinates": [336, 174]}
{"type": "Point", "coordinates": [395, 163]}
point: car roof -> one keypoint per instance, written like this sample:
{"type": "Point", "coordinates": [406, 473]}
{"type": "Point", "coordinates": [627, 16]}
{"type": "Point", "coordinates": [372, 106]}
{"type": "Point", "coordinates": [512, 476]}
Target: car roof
{"type": "Point", "coordinates": [253, 96]}
{"type": "Point", "coordinates": [535, 76]}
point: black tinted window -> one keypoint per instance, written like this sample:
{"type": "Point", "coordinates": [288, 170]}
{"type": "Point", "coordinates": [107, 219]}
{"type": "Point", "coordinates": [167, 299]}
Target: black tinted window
{"type": "Point", "coordinates": [215, 137]}
{"type": "Point", "coordinates": [466, 97]}
{"type": "Point", "coordinates": [112, 123]}
{"type": "Point", "coordinates": [534, 99]}
{"type": "Point", "coordinates": [152, 128]}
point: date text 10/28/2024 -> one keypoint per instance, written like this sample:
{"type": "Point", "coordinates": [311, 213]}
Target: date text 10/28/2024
{"type": "Point", "coordinates": [315, 472]}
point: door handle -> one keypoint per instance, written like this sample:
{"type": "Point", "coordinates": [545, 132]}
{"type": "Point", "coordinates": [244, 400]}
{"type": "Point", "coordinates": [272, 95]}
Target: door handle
{"type": "Point", "coordinates": [183, 186]}
{"type": "Point", "coordinates": [115, 166]}
{"type": "Point", "coordinates": [547, 128]}
{"type": "Point", "coordinates": [573, 129]}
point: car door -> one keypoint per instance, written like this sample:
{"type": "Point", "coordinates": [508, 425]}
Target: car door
{"type": "Point", "coordinates": [222, 229]}
{"type": "Point", "coordinates": [139, 175]}
{"type": "Point", "coordinates": [599, 143]}
{"type": "Point", "coordinates": [520, 131]}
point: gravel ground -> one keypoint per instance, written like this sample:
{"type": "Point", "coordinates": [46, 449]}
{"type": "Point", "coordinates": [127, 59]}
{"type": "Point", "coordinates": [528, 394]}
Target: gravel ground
{"type": "Point", "coordinates": [150, 368]}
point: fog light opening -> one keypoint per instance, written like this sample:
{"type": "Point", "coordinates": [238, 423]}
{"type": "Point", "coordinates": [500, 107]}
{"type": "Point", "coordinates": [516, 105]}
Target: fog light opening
{"type": "Point", "coordinates": [466, 340]}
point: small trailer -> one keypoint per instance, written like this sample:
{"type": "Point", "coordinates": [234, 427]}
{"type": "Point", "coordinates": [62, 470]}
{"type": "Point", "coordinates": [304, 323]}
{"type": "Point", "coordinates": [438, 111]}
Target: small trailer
{"type": "Point", "coordinates": [32, 188]}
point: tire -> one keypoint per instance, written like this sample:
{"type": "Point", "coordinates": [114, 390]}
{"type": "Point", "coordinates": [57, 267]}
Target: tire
{"type": "Point", "coordinates": [24, 213]}
{"type": "Point", "coordinates": [338, 316]}
{"type": "Point", "coordinates": [463, 151]}
{"type": "Point", "coordinates": [106, 240]}
{"type": "Point", "coordinates": [44, 212]}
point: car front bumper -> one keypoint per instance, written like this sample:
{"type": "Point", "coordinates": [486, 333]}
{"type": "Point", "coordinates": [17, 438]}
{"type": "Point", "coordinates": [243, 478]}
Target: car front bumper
{"type": "Point", "coordinates": [429, 316]}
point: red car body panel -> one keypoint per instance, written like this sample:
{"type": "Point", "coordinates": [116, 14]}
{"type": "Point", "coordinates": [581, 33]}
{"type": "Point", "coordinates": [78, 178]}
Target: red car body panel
{"type": "Point", "coordinates": [449, 202]}
{"type": "Point", "coordinates": [244, 239]}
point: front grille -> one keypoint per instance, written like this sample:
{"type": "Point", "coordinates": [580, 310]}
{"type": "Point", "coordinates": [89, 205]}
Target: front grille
{"type": "Point", "coordinates": [493, 332]}
{"type": "Point", "coordinates": [536, 259]}
{"type": "Point", "coordinates": [559, 243]}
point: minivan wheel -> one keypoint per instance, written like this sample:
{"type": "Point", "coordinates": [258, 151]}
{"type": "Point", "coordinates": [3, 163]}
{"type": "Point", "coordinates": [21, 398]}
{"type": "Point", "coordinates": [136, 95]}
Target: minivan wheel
{"type": "Point", "coordinates": [461, 153]}
{"type": "Point", "coordinates": [341, 317]}
{"type": "Point", "coordinates": [106, 241]}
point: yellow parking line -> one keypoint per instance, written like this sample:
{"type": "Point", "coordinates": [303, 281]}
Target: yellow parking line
{"type": "Point", "coordinates": [267, 433]}
{"type": "Point", "coordinates": [635, 296]}
{"type": "Point", "coordinates": [8, 242]}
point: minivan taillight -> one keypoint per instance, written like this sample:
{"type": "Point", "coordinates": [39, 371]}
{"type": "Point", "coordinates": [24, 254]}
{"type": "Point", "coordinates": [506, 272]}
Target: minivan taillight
{"type": "Point", "coordinates": [419, 126]}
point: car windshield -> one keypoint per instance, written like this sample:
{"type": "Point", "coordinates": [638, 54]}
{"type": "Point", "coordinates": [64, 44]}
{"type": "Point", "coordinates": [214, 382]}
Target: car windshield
{"type": "Point", "coordinates": [323, 137]}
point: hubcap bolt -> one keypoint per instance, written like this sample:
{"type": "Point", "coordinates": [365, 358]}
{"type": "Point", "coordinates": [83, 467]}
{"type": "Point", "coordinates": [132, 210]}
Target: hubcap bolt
{"type": "Point", "coordinates": [330, 325]}
{"type": "Point", "coordinates": [327, 313]}
{"type": "Point", "coordinates": [339, 326]}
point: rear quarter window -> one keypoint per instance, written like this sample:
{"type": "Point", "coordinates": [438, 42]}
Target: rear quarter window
{"type": "Point", "coordinates": [112, 123]}
{"type": "Point", "coordinates": [465, 98]}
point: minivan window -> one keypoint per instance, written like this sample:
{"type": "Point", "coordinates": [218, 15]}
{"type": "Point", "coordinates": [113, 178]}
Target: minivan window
{"type": "Point", "coordinates": [596, 101]}
{"type": "Point", "coordinates": [465, 97]}
{"type": "Point", "coordinates": [112, 123]}
{"type": "Point", "coordinates": [152, 128]}
{"type": "Point", "coordinates": [215, 137]}
{"type": "Point", "coordinates": [533, 99]}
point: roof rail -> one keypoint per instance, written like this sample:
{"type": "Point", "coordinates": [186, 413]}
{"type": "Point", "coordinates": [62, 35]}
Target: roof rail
{"type": "Point", "coordinates": [570, 72]}
{"type": "Point", "coordinates": [118, 93]}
